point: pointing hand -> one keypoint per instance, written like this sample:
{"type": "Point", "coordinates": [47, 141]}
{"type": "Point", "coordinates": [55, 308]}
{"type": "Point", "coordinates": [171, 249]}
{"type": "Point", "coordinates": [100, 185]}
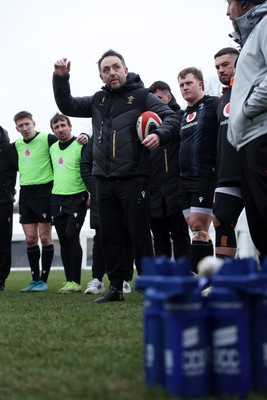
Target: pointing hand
{"type": "Point", "coordinates": [62, 67]}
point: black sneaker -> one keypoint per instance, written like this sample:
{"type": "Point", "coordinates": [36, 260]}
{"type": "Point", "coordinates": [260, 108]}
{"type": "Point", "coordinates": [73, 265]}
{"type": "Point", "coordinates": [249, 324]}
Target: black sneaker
{"type": "Point", "coordinates": [2, 288]}
{"type": "Point", "coordinates": [112, 294]}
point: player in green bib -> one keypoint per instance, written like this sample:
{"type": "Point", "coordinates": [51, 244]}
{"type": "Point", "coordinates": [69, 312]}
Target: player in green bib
{"type": "Point", "coordinates": [69, 200]}
{"type": "Point", "coordinates": [36, 180]}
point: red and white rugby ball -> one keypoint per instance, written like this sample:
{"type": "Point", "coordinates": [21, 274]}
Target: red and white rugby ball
{"type": "Point", "coordinates": [146, 123]}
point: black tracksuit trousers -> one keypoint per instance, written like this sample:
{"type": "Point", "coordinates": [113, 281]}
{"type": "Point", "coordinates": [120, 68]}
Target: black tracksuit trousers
{"type": "Point", "coordinates": [253, 157]}
{"type": "Point", "coordinates": [6, 224]}
{"type": "Point", "coordinates": [123, 203]}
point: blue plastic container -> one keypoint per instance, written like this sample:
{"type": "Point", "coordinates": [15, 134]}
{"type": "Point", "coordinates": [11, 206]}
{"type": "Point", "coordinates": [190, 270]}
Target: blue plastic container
{"type": "Point", "coordinates": [230, 318]}
{"type": "Point", "coordinates": [186, 345]}
{"type": "Point", "coordinates": [259, 329]}
{"type": "Point", "coordinates": [161, 279]}
{"type": "Point", "coordinates": [153, 338]}
{"type": "Point", "coordinates": [259, 341]}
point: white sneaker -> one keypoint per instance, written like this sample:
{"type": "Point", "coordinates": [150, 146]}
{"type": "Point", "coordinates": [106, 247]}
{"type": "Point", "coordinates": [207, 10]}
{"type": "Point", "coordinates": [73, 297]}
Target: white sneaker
{"type": "Point", "coordinates": [94, 287]}
{"type": "Point", "coordinates": [126, 287]}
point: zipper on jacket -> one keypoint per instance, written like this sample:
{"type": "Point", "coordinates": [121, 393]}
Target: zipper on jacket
{"type": "Point", "coordinates": [109, 141]}
{"type": "Point", "coordinates": [166, 160]}
{"type": "Point", "coordinates": [114, 143]}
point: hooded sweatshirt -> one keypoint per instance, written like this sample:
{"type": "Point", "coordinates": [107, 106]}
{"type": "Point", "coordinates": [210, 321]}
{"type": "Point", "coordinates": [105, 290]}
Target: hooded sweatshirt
{"type": "Point", "coordinates": [248, 110]}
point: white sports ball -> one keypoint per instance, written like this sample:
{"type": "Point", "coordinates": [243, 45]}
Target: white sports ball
{"type": "Point", "coordinates": [146, 123]}
{"type": "Point", "coordinates": [209, 266]}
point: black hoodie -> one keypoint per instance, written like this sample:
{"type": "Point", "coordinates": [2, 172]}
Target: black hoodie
{"type": "Point", "coordinates": [8, 168]}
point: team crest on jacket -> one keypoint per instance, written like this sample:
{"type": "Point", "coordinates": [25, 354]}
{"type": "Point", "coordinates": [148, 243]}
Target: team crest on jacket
{"type": "Point", "coordinates": [130, 100]}
{"type": "Point", "coordinates": [226, 110]}
{"type": "Point", "coordinates": [190, 117]}
{"type": "Point", "coordinates": [28, 153]}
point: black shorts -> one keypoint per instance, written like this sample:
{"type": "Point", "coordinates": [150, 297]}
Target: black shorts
{"type": "Point", "coordinates": [35, 210]}
{"type": "Point", "coordinates": [196, 194]}
{"type": "Point", "coordinates": [60, 214]}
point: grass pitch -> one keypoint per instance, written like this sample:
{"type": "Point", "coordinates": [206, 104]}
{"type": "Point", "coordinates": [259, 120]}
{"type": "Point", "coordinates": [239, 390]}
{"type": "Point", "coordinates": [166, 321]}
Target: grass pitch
{"type": "Point", "coordinates": [64, 346]}
{"type": "Point", "coordinates": [57, 346]}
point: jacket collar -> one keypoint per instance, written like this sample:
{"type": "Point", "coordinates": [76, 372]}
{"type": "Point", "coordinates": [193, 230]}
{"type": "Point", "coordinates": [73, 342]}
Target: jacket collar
{"type": "Point", "coordinates": [133, 81]}
{"type": "Point", "coordinates": [246, 23]}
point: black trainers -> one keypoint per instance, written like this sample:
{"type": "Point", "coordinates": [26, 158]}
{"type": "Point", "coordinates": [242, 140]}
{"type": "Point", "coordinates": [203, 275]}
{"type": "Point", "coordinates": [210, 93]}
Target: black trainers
{"type": "Point", "coordinates": [112, 294]}
{"type": "Point", "coordinates": [2, 288]}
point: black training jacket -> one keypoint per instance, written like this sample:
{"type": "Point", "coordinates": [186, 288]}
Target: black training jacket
{"type": "Point", "coordinates": [164, 183]}
{"type": "Point", "coordinates": [228, 163]}
{"type": "Point", "coordinates": [117, 150]}
{"type": "Point", "coordinates": [8, 168]}
{"type": "Point", "coordinates": [198, 148]}
{"type": "Point", "coordinates": [89, 180]}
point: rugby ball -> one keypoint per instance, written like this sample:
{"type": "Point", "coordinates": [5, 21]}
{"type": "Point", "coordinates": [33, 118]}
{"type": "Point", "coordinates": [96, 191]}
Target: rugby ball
{"type": "Point", "coordinates": [146, 123]}
{"type": "Point", "coordinates": [209, 266]}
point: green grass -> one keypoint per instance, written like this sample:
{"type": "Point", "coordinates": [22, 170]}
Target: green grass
{"type": "Point", "coordinates": [63, 346]}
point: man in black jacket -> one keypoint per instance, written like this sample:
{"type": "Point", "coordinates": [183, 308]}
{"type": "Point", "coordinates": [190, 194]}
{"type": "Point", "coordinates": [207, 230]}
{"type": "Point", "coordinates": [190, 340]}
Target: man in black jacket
{"type": "Point", "coordinates": [96, 285]}
{"type": "Point", "coordinates": [228, 201]}
{"type": "Point", "coordinates": [121, 162]}
{"type": "Point", "coordinates": [8, 172]}
{"type": "Point", "coordinates": [169, 228]}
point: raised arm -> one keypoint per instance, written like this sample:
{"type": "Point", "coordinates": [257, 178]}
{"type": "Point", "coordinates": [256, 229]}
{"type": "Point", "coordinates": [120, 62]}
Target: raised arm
{"type": "Point", "coordinates": [62, 67]}
{"type": "Point", "coordinates": [67, 104]}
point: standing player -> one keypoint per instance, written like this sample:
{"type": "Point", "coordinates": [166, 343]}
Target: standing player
{"type": "Point", "coordinates": [247, 121]}
{"type": "Point", "coordinates": [8, 172]}
{"type": "Point", "coordinates": [121, 162]}
{"type": "Point", "coordinates": [96, 285]}
{"type": "Point", "coordinates": [36, 178]}
{"type": "Point", "coordinates": [169, 228]}
{"type": "Point", "coordinates": [197, 161]}
{"type": "Point", "coordinates": [228, 203]}
{"type": "Point", "coordinates": [69, 200]}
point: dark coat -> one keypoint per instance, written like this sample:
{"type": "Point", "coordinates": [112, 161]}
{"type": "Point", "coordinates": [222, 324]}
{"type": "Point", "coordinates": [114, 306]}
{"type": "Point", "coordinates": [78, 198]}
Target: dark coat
{"type": "Point", "coordinates": [228, 162]}
{"type": "Point", "coordinates": [165, 174]}
{"type": "Point", "coordinates": [89, 180]}
{"type": "Point", "coordinates": [117, 151]}
{"type": "Point", "coordinates": [8, 169]}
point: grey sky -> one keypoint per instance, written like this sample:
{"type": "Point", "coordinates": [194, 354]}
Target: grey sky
{"type": "Point", "coordinates": [157, 39]}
